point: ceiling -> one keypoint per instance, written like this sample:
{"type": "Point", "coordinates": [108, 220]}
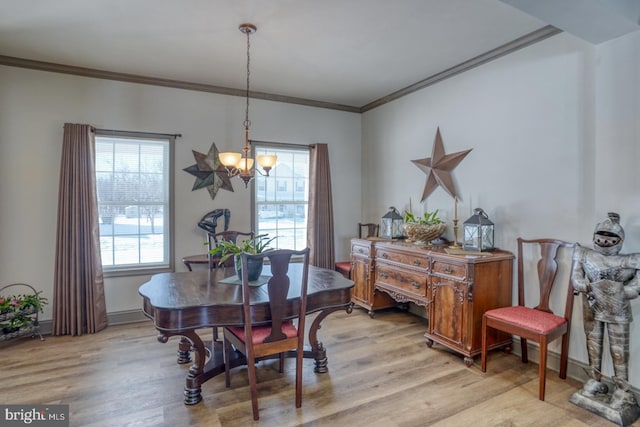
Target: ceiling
{"type": "Point", "coordinates": [348, 54]}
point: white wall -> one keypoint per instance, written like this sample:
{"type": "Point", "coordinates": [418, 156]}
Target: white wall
{"type": "Point", "coordinates": [555, 135]}
{"type": "Point", "coordinates": [34, 105]}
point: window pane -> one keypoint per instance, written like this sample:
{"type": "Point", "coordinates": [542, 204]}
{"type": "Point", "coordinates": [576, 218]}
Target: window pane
{"type": "Point", "coordinates": [281, 200]}
{"type": "Point", "coordinates": [132, 180]}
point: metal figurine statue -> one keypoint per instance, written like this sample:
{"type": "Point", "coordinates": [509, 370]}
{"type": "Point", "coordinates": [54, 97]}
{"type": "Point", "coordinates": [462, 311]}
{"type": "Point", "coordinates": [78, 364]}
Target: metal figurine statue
{"type": "Point", "coordinates": [607, 281]}
{"type": "Point", "coordinates": [209, 221]}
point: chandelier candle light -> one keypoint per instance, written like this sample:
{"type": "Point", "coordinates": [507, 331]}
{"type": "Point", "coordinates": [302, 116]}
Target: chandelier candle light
{"type": "Point", "coordinates": [239, 164]}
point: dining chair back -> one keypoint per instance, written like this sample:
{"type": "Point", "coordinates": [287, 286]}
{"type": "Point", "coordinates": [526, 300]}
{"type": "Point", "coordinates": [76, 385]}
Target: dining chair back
{"type": "Point", "coordinates": [280, 335]}
{"type": "Point", "coordinates": [371, 230]}
{"type": "Point", "coordinates": [536, 323]}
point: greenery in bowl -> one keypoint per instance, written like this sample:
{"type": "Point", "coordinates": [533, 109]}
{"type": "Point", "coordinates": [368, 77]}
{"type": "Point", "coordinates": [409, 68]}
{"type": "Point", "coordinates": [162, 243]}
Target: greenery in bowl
{"type": "Point", "coordinates": [427, 218]}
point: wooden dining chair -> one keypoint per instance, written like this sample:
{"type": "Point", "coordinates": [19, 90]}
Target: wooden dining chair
{"type": "Point", "coordinates": [280, 334]}
{"type": "Point", "coordinates": [229, 236]}
{"type": "Point", "coordinates": [538, 323]}
{"type": "Point", "coordinates": [371, 230]}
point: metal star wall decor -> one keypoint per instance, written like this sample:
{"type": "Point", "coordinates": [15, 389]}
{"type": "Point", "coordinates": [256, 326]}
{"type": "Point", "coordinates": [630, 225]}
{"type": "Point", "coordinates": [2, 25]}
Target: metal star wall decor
{"type": "Point", "coordinates": [438, 168]}
{"type": "Point", "coordinates": [209, 172]}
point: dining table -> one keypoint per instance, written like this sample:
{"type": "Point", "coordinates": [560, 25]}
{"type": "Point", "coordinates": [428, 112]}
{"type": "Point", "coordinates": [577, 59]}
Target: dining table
{"type": "Point", "coordinates": [186, 304]}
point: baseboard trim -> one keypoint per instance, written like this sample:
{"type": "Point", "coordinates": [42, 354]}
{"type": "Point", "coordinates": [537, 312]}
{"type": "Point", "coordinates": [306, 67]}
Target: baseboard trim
{"type": "Point", "coordinates": [116, 318]}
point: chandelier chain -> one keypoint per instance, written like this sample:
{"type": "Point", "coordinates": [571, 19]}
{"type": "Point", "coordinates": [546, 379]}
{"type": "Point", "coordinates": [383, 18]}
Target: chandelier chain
{"type": "Point", "coordinates": [247, 123]}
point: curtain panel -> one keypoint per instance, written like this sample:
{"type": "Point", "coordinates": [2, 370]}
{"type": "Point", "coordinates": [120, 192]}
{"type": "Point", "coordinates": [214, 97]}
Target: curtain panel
{"type": "Point", "coordinates": [320, 224]}
{"type": "Point", "coordinates": [78, 294]}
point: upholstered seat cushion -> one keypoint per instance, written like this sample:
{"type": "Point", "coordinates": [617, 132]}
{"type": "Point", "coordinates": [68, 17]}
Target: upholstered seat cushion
{"type": "Point", "coordinates": [262, 332]}
{"type": "Point", "coordinates": [539, 321]}
{"type": "Point", "coordinates": [344, 267]}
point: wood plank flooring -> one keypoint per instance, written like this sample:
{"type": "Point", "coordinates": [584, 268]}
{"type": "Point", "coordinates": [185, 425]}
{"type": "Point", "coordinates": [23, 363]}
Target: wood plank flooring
{"type": "Point", "coordinates": [380, 374]}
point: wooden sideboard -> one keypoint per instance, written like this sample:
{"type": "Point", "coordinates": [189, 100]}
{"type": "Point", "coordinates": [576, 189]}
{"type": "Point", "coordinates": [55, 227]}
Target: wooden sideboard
{"type": "Point", "coordinates": [454, 289]}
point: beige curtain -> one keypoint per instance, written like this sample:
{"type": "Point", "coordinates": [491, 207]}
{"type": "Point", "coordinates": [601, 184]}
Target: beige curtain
{"type": "Point", "coordinates": [78, 290]}
{"type": "Point", "coordinates": [320, 224]}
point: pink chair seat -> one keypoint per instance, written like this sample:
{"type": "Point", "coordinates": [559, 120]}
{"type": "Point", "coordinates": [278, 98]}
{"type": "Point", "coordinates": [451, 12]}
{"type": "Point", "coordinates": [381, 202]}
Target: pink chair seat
{"type": "Point", "coordinates": [259, 333]}
{"type": "Point", "coordinates": [532, 319]}
{"type": "Point", "coordinates": [344, 267]}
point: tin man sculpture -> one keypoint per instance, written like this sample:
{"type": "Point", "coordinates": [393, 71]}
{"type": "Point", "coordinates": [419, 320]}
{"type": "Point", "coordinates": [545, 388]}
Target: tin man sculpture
{"type": "Point", "coordinates": [607, 281]}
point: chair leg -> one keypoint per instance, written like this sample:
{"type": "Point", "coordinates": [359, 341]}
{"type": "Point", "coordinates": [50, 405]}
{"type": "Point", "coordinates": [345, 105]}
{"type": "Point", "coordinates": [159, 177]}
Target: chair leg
{"type": "Point", "coordinates": [543, 367]}
{"type": "Point", "coordinates": [253, 386]}
{"type": "Point", "coordinates": [564, 356]}
{"type": "Point", "coordinates": [281, 367]}
{"type": "Point", "coordinates": [483, 356]}
{"type": "Point", "coordinates": [299, 359]}
{"type": "Point", "coordinates": [227, 360]}
{"type": "Point", "coordinates": [523, 349]}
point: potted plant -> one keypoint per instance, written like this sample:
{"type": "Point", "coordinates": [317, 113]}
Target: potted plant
{"type": "Point", "coordinates": [226, 249]}
{"type": "Point", "coordinates": [29, 303]}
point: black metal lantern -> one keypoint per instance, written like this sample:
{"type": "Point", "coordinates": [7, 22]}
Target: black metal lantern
{"type": "Point", "coordinates": [478, 232]}
{"type": "Point", "coordinates": [391, 225]}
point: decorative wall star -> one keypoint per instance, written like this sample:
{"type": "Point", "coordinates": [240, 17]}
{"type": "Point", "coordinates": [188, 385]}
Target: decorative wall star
{"type": "Point", "coordinates": [438, 168]}
{"type": "Point", "coordinates": [209, 172]}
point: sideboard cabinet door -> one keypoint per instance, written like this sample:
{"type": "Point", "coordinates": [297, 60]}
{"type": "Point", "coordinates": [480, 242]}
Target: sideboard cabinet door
{"type": "Point", "coordinates": [447, 312]}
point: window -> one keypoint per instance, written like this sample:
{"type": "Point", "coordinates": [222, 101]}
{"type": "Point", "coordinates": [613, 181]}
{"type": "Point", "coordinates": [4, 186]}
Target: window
{"type": "Point", "coordinates": [134, 181]}
{"type": "Point", "coordinates": [281, 200]}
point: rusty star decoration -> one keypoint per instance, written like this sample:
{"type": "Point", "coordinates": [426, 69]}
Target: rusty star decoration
{"type": "Point", "coordinates": [209, 172]}
{"type": "Point", "coordinates": [438, 168]}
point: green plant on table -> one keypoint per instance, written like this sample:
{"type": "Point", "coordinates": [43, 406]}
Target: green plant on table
{"type": "Point", "coordinates": [226, 249]}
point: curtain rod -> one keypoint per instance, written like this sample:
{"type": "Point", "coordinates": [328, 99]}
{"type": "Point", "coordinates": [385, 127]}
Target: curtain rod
{"type": "Point", "coordinates": [282, 144]}
{"type": "Point", "coordinates": [125, 133]}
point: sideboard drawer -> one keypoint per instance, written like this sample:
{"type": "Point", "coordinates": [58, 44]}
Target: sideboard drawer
{"type": "Point", "coordinates": [360, 250]}
{"type": "Point", "coordinates": [407, 259]}
{"type": "Point", "coordinates": [403, 280]}
{"type": "Point", "coordinates": [443, 268]}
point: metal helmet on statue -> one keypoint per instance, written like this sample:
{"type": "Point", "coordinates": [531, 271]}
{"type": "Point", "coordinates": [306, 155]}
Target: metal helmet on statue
{"type": "Point", "coordinates": [608, 236]}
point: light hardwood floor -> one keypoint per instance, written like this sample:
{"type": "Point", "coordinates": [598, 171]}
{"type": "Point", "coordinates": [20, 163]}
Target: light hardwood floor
{"type": "Point", "coordinates": [380, 374]}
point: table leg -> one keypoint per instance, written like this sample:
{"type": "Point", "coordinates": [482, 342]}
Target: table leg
{"type": "Point", "coordinates": [184, 351]}
{"type": "Point", "coordinates": [194, 380]}
{"type": "Point", "coordinates": [317, 349]}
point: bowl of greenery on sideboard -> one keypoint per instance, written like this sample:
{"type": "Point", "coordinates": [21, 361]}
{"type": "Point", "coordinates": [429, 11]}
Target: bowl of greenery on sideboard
{"type": "Point", "coordinates": [423, 230]}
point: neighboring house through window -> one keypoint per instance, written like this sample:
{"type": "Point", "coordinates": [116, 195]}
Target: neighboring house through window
{"type": "Point", "coordinates": [281, 200]}
{"type": "Point", "coordinates": [134, 183]}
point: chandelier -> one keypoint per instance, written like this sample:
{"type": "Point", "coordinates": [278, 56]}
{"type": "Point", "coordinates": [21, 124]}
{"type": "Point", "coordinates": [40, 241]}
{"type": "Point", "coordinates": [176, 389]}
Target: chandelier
{"type": "Point", "coordinates": [239, 164]}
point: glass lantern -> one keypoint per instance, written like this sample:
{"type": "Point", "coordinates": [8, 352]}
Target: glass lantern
{"type": "Point", "coordinates": [478, 232]}
{"type": "Point", "coordinates": [391, 225]}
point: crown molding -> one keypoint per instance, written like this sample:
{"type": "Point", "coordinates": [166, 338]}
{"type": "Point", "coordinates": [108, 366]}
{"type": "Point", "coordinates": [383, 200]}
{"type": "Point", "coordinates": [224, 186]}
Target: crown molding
{"type": "Point", "coordinates": [517, 44]}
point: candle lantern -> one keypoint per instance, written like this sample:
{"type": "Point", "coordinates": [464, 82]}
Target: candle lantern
{"type": "Point", "coordinates": [391, 224]}
{"type": "Point", "coordinates": [478, 232]}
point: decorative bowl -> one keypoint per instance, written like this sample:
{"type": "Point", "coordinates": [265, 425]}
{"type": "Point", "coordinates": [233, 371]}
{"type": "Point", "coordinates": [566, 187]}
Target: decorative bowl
{"type": "Point", "coordinates": [424, 233]}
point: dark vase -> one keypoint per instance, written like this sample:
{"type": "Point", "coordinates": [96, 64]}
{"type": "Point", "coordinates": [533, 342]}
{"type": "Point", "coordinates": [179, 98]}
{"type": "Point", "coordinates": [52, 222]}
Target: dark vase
{"type": "Point", "coordinates": [255, 268]}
